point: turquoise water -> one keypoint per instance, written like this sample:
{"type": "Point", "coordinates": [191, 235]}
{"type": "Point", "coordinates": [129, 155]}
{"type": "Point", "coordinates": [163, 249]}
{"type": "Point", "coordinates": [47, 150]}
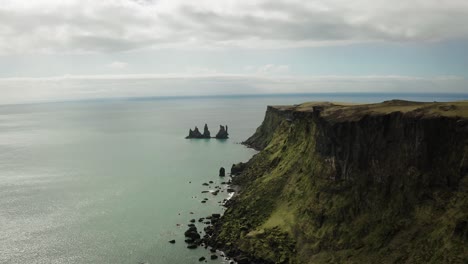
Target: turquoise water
{"type": "Point", "coordinates": [108, 181]}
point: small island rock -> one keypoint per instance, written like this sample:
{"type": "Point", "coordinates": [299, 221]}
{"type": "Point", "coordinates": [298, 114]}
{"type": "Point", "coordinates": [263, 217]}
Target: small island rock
{"type": "Point", "coordinates": [222, 133]}
{"type": "Point", "coordinates": [196, 133]}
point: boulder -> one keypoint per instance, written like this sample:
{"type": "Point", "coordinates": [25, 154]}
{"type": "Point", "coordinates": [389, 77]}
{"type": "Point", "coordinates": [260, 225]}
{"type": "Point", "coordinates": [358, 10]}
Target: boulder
{"type": "Point", "coordinates": [192, 246]}
{"type": "Point", "coordinates": [222, 172]}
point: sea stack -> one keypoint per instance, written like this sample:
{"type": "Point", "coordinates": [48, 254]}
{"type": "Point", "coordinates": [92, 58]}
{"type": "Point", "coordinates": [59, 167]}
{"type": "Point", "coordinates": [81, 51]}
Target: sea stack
{"type": "Point", "coordinates": [222, 172]}
{"type": "Point", "coordinates": [222, 133]}
{"type": "Point", "coordinates": [206, 132]}
{"type": "Point", "coordinates": [196, 133]}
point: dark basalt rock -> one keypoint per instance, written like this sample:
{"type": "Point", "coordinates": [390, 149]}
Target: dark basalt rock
{"type": "Point", "coordinates": [172, 241]}
{"type": "Point", "coordinates": [192, 246]}
{"type": "Point", "coordinates": [222, 172]}
{"type": "Point", "coordinates": [196, 133]}
{"type": "Point", "coordinates": [222, 133]}
{"type": "Point", "coordinates": [236, 169]}
{"type": "Point", "coordinates": [192, 233]}
{"type": "Point", "coordinates": [206, 132]}
{"type": "Point", "coordinates": [215, 215]}
{"type": "Point", "coordinates": [201, 259]}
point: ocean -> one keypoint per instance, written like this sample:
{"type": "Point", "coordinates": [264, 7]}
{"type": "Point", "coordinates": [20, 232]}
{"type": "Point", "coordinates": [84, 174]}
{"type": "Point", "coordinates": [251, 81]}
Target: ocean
{"type": "Point", "coordinates": [112, 181]}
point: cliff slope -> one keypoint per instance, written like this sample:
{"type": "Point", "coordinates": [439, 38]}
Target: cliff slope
{"type": "Point", "coordinates": [340, 183]}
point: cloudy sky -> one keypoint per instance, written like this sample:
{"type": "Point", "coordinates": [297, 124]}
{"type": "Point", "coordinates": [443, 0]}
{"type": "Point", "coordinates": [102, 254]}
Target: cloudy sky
{"type": "Point", "coordinates": [69, 49]}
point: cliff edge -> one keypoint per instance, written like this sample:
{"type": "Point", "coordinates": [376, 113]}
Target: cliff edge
{"type": "Point", "coordinates": [352, 183]}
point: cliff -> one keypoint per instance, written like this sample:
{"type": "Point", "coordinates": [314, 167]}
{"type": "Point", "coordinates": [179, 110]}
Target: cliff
{"type": "Point", "coordinates": [340, 183]}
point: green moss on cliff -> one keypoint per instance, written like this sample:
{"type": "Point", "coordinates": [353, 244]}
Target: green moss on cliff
{"type": "Point", "coordinates": [383, 187]}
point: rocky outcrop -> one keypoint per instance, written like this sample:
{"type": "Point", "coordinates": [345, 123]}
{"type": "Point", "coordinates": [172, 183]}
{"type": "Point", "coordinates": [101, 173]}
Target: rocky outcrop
{"type": "Point", "coordinates": [236, 169]}
{"type": "Point", "coordinates": [194, 133]}
{"type": "Point", "coordinates": [338, 183]}
{"type": "Point", "coordinates": [222, 133]}
{"type": "Point", "coordinates": [206, 132]}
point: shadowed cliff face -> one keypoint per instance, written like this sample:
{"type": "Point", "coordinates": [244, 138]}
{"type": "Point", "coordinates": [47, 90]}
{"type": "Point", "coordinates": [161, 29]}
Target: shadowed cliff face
{"type": "Point", "coordinates": [353, 183]}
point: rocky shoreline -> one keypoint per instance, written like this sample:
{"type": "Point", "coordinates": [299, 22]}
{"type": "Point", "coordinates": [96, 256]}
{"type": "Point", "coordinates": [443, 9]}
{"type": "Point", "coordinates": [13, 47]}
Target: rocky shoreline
{"type": "Point", "coordinates": [194, 237]}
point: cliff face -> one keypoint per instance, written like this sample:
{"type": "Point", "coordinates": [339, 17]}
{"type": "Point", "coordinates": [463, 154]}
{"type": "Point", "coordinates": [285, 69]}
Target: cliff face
{"type": "Point", "coordinates": [353, 183]}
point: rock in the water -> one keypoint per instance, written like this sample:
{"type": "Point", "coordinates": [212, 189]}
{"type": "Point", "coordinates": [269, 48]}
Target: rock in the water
{"type": "Point", "coordinates": [201, 259]}
{"type": "Point", "coordinates": [222, 172]}
{"type": "Point", "coordinates": [192, 246]}
{"type": "Point", "coordinates": [222, 133]}
{"type": "Point", "coordinates": [194, 133]}
{"type": "Point", "coordinates": [206, 132]}
{"type": "Point", "coordinates": [214, 257]}
{"type": "Point", "coordinates": [172, 241]}
{"type": "Point", "coordinates": [192, 233]}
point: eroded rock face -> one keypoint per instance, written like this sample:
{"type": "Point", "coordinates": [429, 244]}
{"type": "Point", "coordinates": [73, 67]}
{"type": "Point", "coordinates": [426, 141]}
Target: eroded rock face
{"type": "Point", "coordinates": [206, 132]}
{"type": "Point", "coordinates": [222, 133]}
{"type": "Point", "coordinates": [368, 183]}
{"type": "Point", "coordinates": [236, 169]}
{"type": "Point", "coordinates": [196, 133]}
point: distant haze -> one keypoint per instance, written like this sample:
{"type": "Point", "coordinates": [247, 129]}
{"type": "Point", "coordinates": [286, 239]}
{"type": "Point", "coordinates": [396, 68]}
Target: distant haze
{"type": "Point", "coordinates": [70, 49]}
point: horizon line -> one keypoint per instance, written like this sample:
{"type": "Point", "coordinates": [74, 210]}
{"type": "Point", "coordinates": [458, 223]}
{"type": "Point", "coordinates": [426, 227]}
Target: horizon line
{"type": "Point", "coordinates": [182, 97]}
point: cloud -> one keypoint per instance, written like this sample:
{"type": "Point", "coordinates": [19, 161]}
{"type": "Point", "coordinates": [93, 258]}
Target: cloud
{"type": "Point", "coordinates": [117, 65]}
{"type": "Point", "coordinates": [268, 69]}
{"type": "Point", "coordinates": [46, 26]}
{"type": "Point", "coordinates": [71, 87]}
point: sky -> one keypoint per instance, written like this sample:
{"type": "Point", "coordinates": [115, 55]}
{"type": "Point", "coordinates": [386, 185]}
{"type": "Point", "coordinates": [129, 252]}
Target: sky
{"type": "Point", "coordinates": [78, 49]}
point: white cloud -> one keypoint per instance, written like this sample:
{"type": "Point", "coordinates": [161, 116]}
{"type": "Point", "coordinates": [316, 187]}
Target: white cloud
{"type": "Point", "coordinates": [117, 65]}
{"type": "Point", "coordinates": [268, 69]}
{"type": "Point", "coordinates": [123, 25]}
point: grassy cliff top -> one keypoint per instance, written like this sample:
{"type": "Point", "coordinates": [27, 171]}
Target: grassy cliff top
{"type": "Point", "coordinates": [340, 111]}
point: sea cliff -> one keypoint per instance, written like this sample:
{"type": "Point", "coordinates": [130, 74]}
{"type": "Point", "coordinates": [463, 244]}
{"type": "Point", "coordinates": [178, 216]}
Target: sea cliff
{"type": "Point", "coordinates": [341, 183]}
